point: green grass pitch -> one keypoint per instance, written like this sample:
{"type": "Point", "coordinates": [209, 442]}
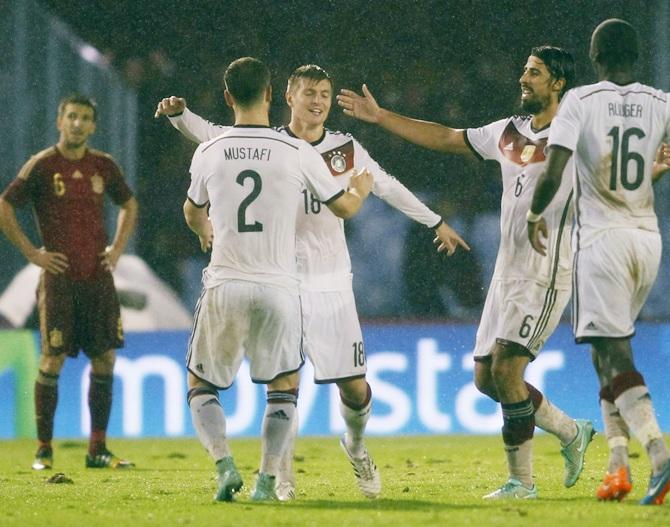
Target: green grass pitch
{"type": "Point", "coordinates": [427, 480]}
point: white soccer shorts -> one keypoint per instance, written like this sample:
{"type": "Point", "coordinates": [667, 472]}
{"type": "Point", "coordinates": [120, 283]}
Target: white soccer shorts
{"type": "Point", "coordinates": [519, 311]}
{"type": "Point", "coordinates": [333, 340]}
{"type": "Point", "coordinates": [612, 278]}
{"type": "Point", "coordinates": [238, 318]}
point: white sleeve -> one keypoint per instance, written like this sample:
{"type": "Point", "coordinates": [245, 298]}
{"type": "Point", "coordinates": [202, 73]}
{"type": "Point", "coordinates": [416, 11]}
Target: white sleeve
{"type": "Point", "coordinates": [197, 191]}
{"type": "Point", "coordinates": [483, 141]}
{"type": "Point", "coordinates": [195, 128]}
{"type": "Point", "coordinates": [318, 178]}
{"type": "Point", "coordinates": [16, 302]}
{"type": "Point", "coordinates": [565, 127]}
{"type": "Point", "coordinates": [392, 191]}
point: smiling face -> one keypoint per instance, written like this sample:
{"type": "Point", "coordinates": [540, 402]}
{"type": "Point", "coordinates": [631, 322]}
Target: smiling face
{"type": "Point", "coordinates": [537, 86]}
{"type": "Point", "coordinates": [310, 101]}
{"type": "Point", "coordinates": [76, 123]}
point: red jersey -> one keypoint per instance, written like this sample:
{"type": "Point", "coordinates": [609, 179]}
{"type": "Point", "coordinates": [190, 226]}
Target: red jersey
{"type": "Point", "coordinates": [68, 198]}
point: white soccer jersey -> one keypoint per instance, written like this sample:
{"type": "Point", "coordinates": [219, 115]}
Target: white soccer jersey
{"type": "Point", "coordinates": [521, 153]}
{"type": "Point", "coordinates": [251, 177]}
{"type": "Point", "coordinates": [323, 257]}
{"type": "Point", "coordinates": [614, 132]}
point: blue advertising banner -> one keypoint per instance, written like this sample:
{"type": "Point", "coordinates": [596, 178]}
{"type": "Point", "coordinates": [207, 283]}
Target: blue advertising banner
{"type": "Point", "coordinates": [421, 378]}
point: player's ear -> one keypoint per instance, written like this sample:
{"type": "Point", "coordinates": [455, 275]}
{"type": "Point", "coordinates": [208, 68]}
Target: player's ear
{"type": "Point", "coordinates": [228, 98]}
{"type": "Point", "coordinates": [268, 94]}
{"type": "Point", "coordinates": [558, 85]}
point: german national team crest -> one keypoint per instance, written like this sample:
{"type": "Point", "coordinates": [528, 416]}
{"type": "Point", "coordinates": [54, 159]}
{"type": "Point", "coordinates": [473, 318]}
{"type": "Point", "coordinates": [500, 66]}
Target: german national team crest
{"type": "Point", "coordinates": [338, 163]}
{"type": "Point", "coordinates": [527, 153]}
{"type": "Point", "coordinates": [55, 338]}
{"type": "Point", "coordinates": [340, 159]}
{"type": "Point", "coordinates": [98, 184]}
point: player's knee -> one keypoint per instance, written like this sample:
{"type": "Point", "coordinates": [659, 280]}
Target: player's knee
{"type": "Point", "coordinates": [103, 364]}
{"type": "Point", "coordinates": [483, 379]}
{"type": "Point", "coordinates": [356, 393]}
{"type": "Point", "coordinates": [52, 364]}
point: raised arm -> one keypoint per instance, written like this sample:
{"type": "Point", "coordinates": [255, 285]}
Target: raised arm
{"type": "Point", "coordinates": [423, 133]}
{"type": "Point", "coordinates": [191, 125]}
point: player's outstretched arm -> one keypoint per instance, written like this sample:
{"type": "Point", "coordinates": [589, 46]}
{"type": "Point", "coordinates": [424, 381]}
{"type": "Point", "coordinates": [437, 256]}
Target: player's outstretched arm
{"type": "Point", "coordinates": [424, 133]}
{"type": "Point", "coordinates": [170, 107]}
{"type": "Point", "coordinates": [447, 239]}
{"type": "Point", "coordinates": [661, 163]}
{"type": "Point", "coordinates": [53, 262]}
{"type": "Point", "coordinates": [349, 203]}
{"type": "Point", "coordinates": [191, 125]}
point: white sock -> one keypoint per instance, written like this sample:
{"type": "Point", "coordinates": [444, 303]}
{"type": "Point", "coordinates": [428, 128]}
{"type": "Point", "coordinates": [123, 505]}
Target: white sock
{"type": "Point", "coordinates": [356, 421]}
{"type": "Point", "coordinates": [286, 464]}
{"type": "Point", "coordinates": [637, 410]}
{"type": "Point", "coordinates": [210, 424]}
{"type": "Point", "coordinates": [520, 462]}
{"type": "Point", "coordinates": [617, 434]}
{"type": "Point", "coordinates": [275, 434]}
{"type": "Point", "coordinates": [552, 419]}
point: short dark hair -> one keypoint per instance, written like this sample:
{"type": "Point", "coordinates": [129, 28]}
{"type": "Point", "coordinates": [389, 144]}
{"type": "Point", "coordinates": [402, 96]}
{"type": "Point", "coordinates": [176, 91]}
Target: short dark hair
{"type": "Point", "coordinates": [559, 62]}
{"type": "Point", "coordinates": [310, 72]}
{"type": "Point", "coordinates": [78, 98]}
{"type": "Point", "coordinates": [614, 43]}
{"type": "Point", "coordinates": [246, 79]}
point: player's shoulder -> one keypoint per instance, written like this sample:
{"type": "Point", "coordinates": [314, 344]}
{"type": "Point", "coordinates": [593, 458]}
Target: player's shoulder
{"type": "Point", "coordinates": [36, 160]}
{"type": "Point", "coordinates": [104, 159]}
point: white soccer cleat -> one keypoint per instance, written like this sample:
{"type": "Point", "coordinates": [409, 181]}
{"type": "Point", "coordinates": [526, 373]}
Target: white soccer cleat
{"type": "Point", "coordinates": [366, 472]}
{"type": "Point", "coordinates": [513, 489]}
{"type": "Point", "coordinates": [285, 490]}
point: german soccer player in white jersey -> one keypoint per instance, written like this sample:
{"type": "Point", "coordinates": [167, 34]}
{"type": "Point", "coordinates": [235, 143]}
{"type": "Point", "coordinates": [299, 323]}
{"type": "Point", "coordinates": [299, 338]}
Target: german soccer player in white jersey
{"type": "Point", "coordinates": [333, 338]}
{"type": "Point", "coordinates": [614, 127]}
{"type": "Point", "coordinates": [243, 202]}
{"type": "Point", "coordinates": [528, 293]}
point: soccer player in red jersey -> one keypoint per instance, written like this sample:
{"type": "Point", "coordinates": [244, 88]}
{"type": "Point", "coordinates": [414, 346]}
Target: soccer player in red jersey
{"type": "Point", "coordinates": [78, 306]}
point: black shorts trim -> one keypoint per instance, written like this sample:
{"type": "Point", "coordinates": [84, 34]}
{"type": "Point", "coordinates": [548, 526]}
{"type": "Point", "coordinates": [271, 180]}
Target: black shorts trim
{"type": "Point", "coordinates": [288, 372]}
{"type": "Point", "coordinates": [339, 379]}
{"type": "Point", "coordinates": [208, 382]}
{"type": "Point", "coordinates": [516, 348]}
{"type": "Point", "coordinates": [589, 339]}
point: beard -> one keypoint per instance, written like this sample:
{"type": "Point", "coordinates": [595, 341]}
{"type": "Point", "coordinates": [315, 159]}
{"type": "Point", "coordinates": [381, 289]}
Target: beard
{"type": "Point", "coordinates": [534, 105]}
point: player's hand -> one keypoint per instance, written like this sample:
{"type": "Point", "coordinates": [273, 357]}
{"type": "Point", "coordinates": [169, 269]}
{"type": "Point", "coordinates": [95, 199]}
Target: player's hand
{"type": "Point", "coordinates": [170, 106]}
{"type": "Point", "coordinates": [447, 239]}
{"type": "Point", "coordinates": [110, 256]}
{"type": "Point", "coordinates": [362, 182]}
{"type": "Point", "coordinates": [54, 263]}
{"type": "Point", "coordinates": [207, 237]}
{"type": "Point", "coordinates": [663, 155]}
{"type": "Point", "coordinates": [363, 107]}
{"type": "Point", "coordinates": [536, 231]}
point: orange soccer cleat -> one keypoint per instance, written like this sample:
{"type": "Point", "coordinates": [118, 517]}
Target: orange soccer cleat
{"type": "Point", "coordinates": [615, 486]}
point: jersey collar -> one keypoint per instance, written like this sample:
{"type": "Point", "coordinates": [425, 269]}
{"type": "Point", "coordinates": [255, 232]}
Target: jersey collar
{"type": "Point", "coordinates": [313, 143]}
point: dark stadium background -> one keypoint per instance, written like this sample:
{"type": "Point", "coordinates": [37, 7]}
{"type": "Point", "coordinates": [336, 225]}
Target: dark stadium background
{"type": "Point", "coordinates": [455, 62]}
